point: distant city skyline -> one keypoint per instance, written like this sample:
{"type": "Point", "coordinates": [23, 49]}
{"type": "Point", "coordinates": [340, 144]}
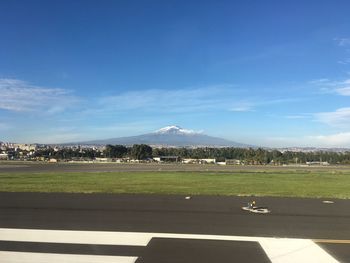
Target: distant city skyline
{"type": "Point", "coordinates": [265, 73]}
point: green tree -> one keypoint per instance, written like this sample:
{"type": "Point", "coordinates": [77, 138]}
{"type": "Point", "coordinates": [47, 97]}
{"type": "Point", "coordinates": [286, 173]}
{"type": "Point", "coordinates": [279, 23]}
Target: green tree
{"type": "Point", "coordinates": [141, 151]}
{"type": "Point", "coordinates": [115, 151]}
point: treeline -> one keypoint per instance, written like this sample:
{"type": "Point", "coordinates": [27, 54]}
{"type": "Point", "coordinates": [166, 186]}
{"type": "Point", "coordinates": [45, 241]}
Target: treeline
{"type": "Point", "coordinates": [67, 153]}
{"type": "Point", "coordinates": [256, 156]}
{"type": "Point", "coordinates": [137, 151]}
{"type": "Point", "coordinates": [246, 156]}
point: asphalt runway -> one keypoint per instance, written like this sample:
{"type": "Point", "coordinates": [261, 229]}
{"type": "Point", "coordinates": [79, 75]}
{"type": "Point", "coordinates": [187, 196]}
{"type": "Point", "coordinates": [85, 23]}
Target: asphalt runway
{"type": "Point", "coordinates": [161, 229]}
{"type": "Point", "coordinates": [40, 167]}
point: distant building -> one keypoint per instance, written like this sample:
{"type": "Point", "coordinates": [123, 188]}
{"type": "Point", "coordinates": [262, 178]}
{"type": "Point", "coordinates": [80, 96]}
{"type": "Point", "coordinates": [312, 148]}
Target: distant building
{"type": "Point", "coordinates": [207, 161]}
{"type": "Point", "coordinates": [317, 163]}
{"type": "Point", "coordinates": [4, 156]}
{"type": "Point", "coordinates": [25, 147]}
{"type": "Point", "coordinates": [233, 162]}
{"type": "Point", "coordinates": [199, 161]}
{"type": "Point", "coordinates": [103, 160]}
{"type": "Point", "coordinates": [122, 160]}
{"type": "Point", "coordinates": [161, 159]}
{"type": "Point", "coordinates": [187, 161]}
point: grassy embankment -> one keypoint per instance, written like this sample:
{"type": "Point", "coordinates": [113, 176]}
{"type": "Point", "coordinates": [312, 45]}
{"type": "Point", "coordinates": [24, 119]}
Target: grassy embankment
{"type": "Point", "coordinates": [331, 184]}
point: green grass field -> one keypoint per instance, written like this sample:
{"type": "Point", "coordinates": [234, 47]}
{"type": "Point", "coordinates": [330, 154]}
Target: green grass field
{"type": "Point", "coordinates": [330, 184]}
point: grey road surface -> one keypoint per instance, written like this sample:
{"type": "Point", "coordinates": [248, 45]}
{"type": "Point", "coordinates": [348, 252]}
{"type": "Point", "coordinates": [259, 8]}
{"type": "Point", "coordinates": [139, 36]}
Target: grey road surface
{"type": "Point", "coordinates": [205, 215]}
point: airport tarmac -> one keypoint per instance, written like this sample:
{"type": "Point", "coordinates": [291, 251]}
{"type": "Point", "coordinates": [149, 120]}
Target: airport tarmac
{"type": "Point", "coordinates": [170, 228]}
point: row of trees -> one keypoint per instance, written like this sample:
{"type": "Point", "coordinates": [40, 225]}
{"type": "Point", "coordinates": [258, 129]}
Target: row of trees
{"type": "Point", "coordinates": [257, 156]}
{"type": "Point", "coordinates": [137, 151]}
{"type": "Point", "coordinates": [67, 153]}
{"type": "Point", "coordinates": [248, 156]}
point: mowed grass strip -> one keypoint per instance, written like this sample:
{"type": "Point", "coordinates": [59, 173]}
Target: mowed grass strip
{"type": "Point", "coordinates": [297, 183]}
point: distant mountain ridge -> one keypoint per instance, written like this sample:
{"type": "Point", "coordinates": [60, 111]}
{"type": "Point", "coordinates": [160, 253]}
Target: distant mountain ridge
{"type": "Point", "coordinates": [170, 136]}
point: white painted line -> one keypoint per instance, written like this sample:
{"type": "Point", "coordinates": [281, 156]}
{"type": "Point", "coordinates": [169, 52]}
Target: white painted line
{"type": "Point", "coordinates": [332, 241]}
{"type": "Point", "coordinates": [279, 250]}
{"type": "Point", "coordinates": [285, 250]}
{"type": "Point", "coordinates": [328, 202]}
{"type": "Point", "coordinates": [209, 237]}
{"type": "Point", "coordinates": [75, 237]}
{"type": "Point", "coordinates": [29, 257]}
{"type": "Point", "coordinates": [103, 237]}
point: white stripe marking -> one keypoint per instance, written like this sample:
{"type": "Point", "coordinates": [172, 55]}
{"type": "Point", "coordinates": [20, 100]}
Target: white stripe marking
{"type": "Point", "coordinates": [279, 250]}
{"type": "Point", "coordinates": [75, 237]}
{"type": "Point", "coordinates": [29, 257]}
{"type": "Point", "coordinates": [295, 250]}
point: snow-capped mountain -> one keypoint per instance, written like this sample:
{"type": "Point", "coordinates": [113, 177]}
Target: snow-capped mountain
{"type": "Point", "coordinates": [170, 136]}
{"type": "Point", "coordinates": [175, 130]}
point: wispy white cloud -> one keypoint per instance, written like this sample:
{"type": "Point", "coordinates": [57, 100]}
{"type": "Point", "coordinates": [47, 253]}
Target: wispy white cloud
{"type": "Point", "coordinates": [125, 128]}
{"type": "Point", "coordinates": [345, 61]}
{"type": "Point", "coordinates": [242, 107]}
{"type": "Point", "coordinates": [340, 117]}
{"type": "Point", "coordinates": [172, 101]}
{"type": "Point", "coordinates": [191, 100]}
{"type": "Point", "coordinates": [333, 140]}
{"type": "Point", "coordinates": [333, 87]}
{"type": "Point", "coordinates": [319, 81]}
{"type": "Point", "coordinates": [342, 41]}
{"type": "Point", "coordinates": [20, 96]}
{"type": "Point", "coordinates": [296, 117]}
{"type": "Point", "coordinates": [344, 91]}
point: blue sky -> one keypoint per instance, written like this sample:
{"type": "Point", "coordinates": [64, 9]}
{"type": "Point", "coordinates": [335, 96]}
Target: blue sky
{"type": "Point", "coordinates": [269, 73]}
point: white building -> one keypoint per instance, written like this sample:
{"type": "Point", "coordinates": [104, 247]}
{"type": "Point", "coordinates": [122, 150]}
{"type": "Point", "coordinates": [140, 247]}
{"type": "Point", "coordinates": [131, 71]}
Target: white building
{"type": "Point", "coordinates": [4, 156]}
